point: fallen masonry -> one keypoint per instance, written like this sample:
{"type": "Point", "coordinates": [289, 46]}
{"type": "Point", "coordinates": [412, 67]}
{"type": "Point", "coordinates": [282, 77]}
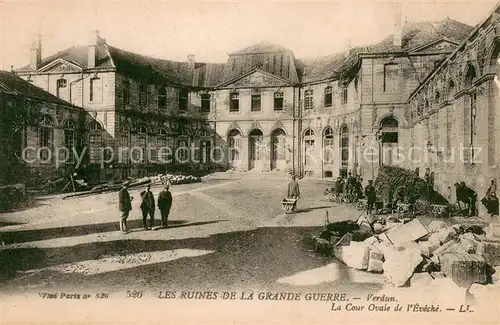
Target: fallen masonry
{"type": "Point", "coordinates": [461, 250]}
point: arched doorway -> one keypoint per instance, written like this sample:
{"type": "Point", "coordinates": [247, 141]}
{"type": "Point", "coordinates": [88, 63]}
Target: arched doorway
{"type": "Point", "coordinates": [234, 147]}
{"type": "Point", "coordinates": [389, 139]}
{"type": "Point", "coordinates": [328, 152]}
{"type": "Point", "coordinates": [255, 149]}
{"type": "Point", "coordinates": [344, 150]}
{"type": "Point", "coordinates": [278, 159]}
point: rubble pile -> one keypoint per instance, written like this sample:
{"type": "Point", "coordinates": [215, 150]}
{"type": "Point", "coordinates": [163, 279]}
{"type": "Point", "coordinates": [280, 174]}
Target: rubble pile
{"type": "Point", "coordinates": [181, 179]}
{"type": "Point", "coordinates": [466, 254]}
{"type": "Point", "coordinates": [392, 181]}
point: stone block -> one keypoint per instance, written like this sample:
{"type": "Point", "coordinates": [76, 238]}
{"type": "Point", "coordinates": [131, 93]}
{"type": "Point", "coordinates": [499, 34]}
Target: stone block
{"type": "Point", "coordinates": [375, 266]}
{"type": "Point", "coordinates": [464, 269]}
{"type": "Point", "coordinates": [427, 248]}
{"type": "Point", "coordinates": [411, 231]}
{"type": "Point", "coordinates": [493, 231]}
{"type": "Point", "coordinates": [399, 267]}
{"type": "Point", "coordinates": [490, 251]}
{"type": "Point", "coordinates": [436, 225]}
{"type": "Point", "coordinates": [355, 255]}
{"type": "Point", "coordinates": [443, 235]}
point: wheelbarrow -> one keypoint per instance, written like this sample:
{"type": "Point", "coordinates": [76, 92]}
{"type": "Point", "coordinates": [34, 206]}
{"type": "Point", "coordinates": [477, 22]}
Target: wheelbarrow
{"type": "Point", "coordinates": [288, 205]}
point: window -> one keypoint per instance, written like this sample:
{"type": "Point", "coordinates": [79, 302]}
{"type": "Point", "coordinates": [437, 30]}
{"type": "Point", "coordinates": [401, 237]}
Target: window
{"type": "Point", "coordinates": [95, 142]}
{"type": "Point", "coordinates": [139, 151]}
{"type": "Point", "coordinates": [309, 147]}
{"type": "Point", "coordinates": [183, 100]}
{"type": "Point", "coordinates": [328, 96]}
{"type": "Point", "coordinates": [328, 146]}
{"type": "Point", "coordinates": [205, 103]}
{"type": "Point", "coordinates": [95, 90]}
{"type": "Point", "coordinates": [255, 103]}
{"type": "Point", "coordinates": [182, 150]}
{"type": "Point", "coordinates": [162, 97]}
{"type": "Point", "coordinates": [344, 146]}
{"type": "Point", "coordinates": [391, 77]}
{"type": "Point", "coordinates": [126, 92]}
{"type": "Point", "coordinates": [46, 137]}
{"type": "Point", "coordinates": [69, 139]}
{"type": "Point", "coordinates": [344, 96]}
{"type": "Point", "coordinates": [234, 105]}
{"type": "Point", "coordinates": [143, 95]}
{"type": "Point", "coordinates": [278, 101]}
{"type": "Point", "coordinates": [61, 90]}
{"type": "Point", "coordinates": [164, 145]}
{"type": "Point", "coordinates": [205, 151]}
{"type": "Point", "coordinates": [308, 99]}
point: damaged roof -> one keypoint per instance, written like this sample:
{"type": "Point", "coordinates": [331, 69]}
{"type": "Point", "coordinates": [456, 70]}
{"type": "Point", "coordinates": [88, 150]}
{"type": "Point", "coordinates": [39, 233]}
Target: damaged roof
{"type": "Point", "coordinates": [265, 56]}
{"type": "Point", "coordinates": [12, 84]}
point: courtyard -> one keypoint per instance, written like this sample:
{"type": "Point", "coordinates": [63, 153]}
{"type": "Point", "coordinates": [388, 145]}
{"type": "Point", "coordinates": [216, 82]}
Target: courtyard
{"type": "Point", "coordinates": [226, 233]}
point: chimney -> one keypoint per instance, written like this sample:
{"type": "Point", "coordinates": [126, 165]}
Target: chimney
{"type": "Point", "coordinates": [36, 53]}
{"type": "Point", "coordinates": [93, 51]}
{"type": "Point", "coordinates": [347, 48]}
{"type": "Point", "coordinates": [398, 32]}
{"type": "Point", "coordinates": [191, 63]}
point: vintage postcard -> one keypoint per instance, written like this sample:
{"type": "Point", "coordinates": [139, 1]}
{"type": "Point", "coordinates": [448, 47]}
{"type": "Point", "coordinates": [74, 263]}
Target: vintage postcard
{"type": "Point", "coordinates": [256, 162]}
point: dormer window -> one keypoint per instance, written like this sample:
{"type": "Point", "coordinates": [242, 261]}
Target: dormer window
{"type": "Point", "coordinates": [328, 96]}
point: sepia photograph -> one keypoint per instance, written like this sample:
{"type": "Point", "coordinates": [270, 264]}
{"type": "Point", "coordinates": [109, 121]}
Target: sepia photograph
{"type": "Point", "coordinates": [249, 162]}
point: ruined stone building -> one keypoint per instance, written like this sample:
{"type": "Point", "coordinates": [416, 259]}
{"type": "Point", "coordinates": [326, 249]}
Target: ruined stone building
{"type": "Point", "coordinates": [428, 84]}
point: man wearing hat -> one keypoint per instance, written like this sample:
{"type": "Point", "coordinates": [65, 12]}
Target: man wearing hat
{"type": "Point", "coordinates": [125, 205]}
{"type": "Point", "coordinates": [164, 204]}
{"type": "Point", "coordinates": [148, 207]}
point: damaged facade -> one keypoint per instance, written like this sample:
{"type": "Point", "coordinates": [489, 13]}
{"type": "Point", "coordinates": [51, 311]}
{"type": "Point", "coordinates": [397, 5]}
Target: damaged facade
{"type": "Point", "coordinates": [271, 111]}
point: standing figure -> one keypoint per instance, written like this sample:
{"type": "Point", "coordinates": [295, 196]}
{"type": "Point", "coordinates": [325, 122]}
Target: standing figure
{"type": "Point", "coordinates": [164, 204]}
{"type": "Point", "coordinates": [490, 200]}
{"type": "Point", "coordinates": [471, 196]}
{"type": "Point", "coordinates": [293, 191]}
{"type": "Point", "coordinates": [125, 206]}
{"type": "Point", "coordinates": [339, 186]}
{"type": "Point", "coordinates": [148, 208]}
{"type": "Point", "coordinates": [370, 196]}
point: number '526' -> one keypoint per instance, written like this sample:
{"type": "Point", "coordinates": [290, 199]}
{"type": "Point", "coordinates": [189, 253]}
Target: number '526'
{"type": "Point", "coordinates": [134, 294]}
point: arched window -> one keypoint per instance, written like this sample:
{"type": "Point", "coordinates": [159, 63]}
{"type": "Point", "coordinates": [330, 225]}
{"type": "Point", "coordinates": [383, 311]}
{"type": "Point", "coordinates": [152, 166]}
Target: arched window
{"type": "Point", "coordinates": [139, 146]}
{"type": "Point", "coordinates": [182, 147]}
{"type": "Point", "coordinates": [69, 139]}
{"type": "Point", "coordinates": [451, 90]}
{"type": "Point", "coordinates": [234, 146]}
{"type": "Point", "coordinates": [309, 143]}
{"type": "Point", "coordinates": [124, 143]}
{"type": "Point", "coordinates": [164, 145]}
{"type": "Point", "coordinates": [470, 75]}
{"type": "Point", "coordinates": [344, 147]}
{"type": "Point", "coordinates": [328, 145]}
{"type": "Point", "coordinates": [95, 142]}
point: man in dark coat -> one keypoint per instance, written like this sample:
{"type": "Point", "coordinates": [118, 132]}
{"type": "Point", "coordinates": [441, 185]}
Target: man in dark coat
{"type": "Point", "coordinates": [293, 191]}
{"type": "Point", "coordinates": [471, 196]}
{"type": "Point", "coordinates": [164, 204]}
{"type": "Point", "coordinates": [371, 196]}
{"type": "Point", "coordinates": [148, 207]}
{"type": "Point", "coordinates": [125, 205]}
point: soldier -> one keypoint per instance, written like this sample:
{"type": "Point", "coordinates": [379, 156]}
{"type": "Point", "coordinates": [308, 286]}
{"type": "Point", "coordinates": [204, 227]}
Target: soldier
{"type": "Point", "coordinates": [370, 196]}
{"type": "Point", "coordinates": [293, 191]}
{"type": "Point", "coordinates": [164, 204]}
{"type": "Point", "coordinates": [125, 205]}
{"type": "Point", "coordinates": [148, 207]}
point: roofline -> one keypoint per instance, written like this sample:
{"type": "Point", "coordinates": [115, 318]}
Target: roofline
{"type": "Point", "coordinates": [225, 83]}
{"type": "Point", "coordinates": [253, 53]}
{"type": "Point", "coordinates": [452, 55]}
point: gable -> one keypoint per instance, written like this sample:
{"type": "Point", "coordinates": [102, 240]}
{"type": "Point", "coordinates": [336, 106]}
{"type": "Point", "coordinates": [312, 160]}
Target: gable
{"type": "Point", "coordinates": [61, 65]}
{"type": "Point", "coordinates": [439, 46]}
{"type": "Point", "coordinates": [257, 79]}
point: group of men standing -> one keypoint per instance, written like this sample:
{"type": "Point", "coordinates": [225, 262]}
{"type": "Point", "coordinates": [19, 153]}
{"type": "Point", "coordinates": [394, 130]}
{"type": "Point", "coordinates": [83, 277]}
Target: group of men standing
{"type": "Point", "coordinates": [147, 206]}
{"type": "Point", "coordinates": [351, 187]}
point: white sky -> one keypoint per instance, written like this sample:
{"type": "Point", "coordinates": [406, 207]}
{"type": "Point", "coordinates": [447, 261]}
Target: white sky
{"type": "Point", "coordinates": [211, 30]}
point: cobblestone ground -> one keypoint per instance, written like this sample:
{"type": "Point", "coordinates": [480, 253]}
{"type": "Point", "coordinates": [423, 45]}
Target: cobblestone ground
{"type": "Point", "coordinates": [228, 232]}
